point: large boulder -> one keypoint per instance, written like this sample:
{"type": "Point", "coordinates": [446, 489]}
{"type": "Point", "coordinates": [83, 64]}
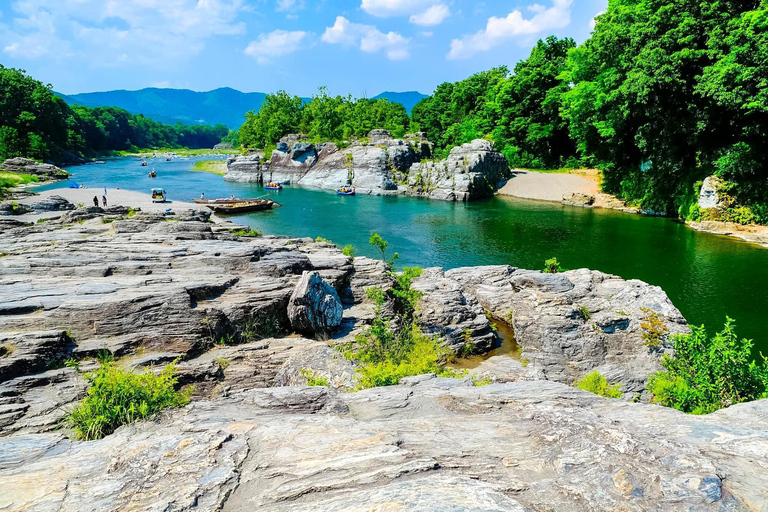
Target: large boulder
{"type": "Point", "coordinates": [314, 306]}
{"type": "Point", "coordinates": [471, 171]}
{"type": "Point", "coordinates": [709, 195]}
{"type": "Point", "coordinates": [52, 203]}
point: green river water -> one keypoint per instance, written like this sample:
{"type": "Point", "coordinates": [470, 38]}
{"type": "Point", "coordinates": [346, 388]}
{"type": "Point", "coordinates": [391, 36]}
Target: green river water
{"type": "Point", "coordinates": [706, 276]}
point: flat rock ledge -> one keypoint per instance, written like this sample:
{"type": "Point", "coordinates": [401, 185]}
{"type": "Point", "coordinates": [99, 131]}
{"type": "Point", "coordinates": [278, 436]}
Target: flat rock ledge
{"type": "Point", "coordinates": [151, 288]}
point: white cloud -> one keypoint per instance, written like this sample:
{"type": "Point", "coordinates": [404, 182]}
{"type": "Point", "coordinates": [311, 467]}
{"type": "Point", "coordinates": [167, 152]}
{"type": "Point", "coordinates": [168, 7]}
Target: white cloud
{"type": "Point", "coordinates": [165, 84]}
{"type": "Point", "coordinates": [275, 44]}
{"type": "Point", "coordinates": [116, 32]}
{"type": "Point", "coordinates": [421, 12]}
{"type": "Point", "coordinates": [499, 30]}
{"type": "Point", "coordinates": [593, 21]}
{"type": "Point", "coordinates": [287, 5]}
{"type": "Point", "coordinates": [435, 15]}
{"type": "Point", "coordinates": [369, 38]}
{"type": "Point", "coordinates": [426, 34]}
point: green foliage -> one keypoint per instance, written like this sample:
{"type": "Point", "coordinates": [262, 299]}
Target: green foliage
{"type": "Point", "coordinates": [481, 382]}
{"type": "Point", "coordinates": [36, 123]}
{"type": "Point", "coordinates": [313, 379]}
{"type": "Point", "coordinates": [551, 266]}
{"type": "Point", "coordinates": [117, 397]}
{"type": "Point", "coordinates": [654, 329]}
{"type": "Point", "coordinates": [323, 118]}
{"type": "Point", "coordinates": [706, 374]}
{"type": "Point", "coordinates": [12, 179]}
{"type": "Point", "coordinates": [260, 326]}
{"type": "Point", "coordinates": [251, 233]}
{"type": "Point", "coordinates": [320, 239]}
{"type": "Point", "coordinates": [379, 243]}
{"type": "Point", "coordinates": [392, 348]}
{"type": "Point", "coordinates": [596, 383]}
{"type": "Point", "coordinates": [223, 363]}
{"type": "Point", "coordinates": [349, 250]}
{"type": "Point", "coordinates": [584, 313]}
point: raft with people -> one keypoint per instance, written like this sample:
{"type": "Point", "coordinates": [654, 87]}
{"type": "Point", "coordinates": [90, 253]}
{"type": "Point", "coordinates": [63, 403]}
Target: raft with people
{"type": "Point", "coordinates": [346, 190]}
{"type": "Point", "coordinates": [273, 185]}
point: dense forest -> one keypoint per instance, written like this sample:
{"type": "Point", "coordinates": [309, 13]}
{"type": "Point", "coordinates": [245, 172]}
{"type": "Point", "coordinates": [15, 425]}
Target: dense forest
{"type": "Point", "coordinates": [663, 94]}
{"type": "Point", "coordinates": [36, 123]}
{"type": "Point", "coordinates": [323, 118]}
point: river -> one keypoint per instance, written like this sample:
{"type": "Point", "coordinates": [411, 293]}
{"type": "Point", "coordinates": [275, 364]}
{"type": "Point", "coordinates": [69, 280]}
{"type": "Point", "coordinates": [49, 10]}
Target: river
{"type": "Point", "coordinates": [707, 276]}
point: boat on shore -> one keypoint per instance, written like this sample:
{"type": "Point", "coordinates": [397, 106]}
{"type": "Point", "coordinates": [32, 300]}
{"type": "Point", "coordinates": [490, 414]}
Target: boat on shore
{"type": "Point", "coordinates": [345, 191]}
{"type": "Point", "coordinates": [244, 206]}
{"type": "Point", "coordinates": [223, 200]}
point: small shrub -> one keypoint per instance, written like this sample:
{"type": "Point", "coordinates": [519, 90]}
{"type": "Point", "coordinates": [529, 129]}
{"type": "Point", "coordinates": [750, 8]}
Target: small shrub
{"type": "Point", "coordinates": [654, 329]}
{"type": "Point", "coordinates": [524, 362]}
{"type": "Point", "coordinates": [597, 384]}
{"type": "Point", "coordinates": [118, 397]}
{"type": "Point", "coordinates": [584, 313]}
{"type": "Point", "coordinates": [481, 382]}
{"type": "Point", "coordinates": [349, 251]}
{"type": "Point", "coordinates": [323, 240]}
{"type": "Point", "coordinates": [313, 378]}
{"type": "Point", "coordinates": [132, 212]}
{"type": "Point", "coordinates": [251, 233]}
{"type": "Point", "coordinates": [259, 327]}
{"type": "Point", "coordinates": [223, 363]}
{"type": "Point", "coordinates": [3, 254]}
{"type": "Point", "coordinates": [72, 363]}
{"type": "Point", "coordinates": [551, 266]}
{"type": "Point", "coordinates": [379, 243]}
{"type": "Point", "coordinates": [706, 374]}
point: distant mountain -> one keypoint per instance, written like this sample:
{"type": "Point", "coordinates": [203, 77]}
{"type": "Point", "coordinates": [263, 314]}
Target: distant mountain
{"type": "Point", "coordinates": [225, 105]}
{"type": "Point", "coordinates": [407, 99]}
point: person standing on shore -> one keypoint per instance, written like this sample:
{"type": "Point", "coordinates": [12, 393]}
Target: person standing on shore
{"type": "Point", "coordinates": [104, 200]}
{"type": "Point", "coordinates": [96, 201]}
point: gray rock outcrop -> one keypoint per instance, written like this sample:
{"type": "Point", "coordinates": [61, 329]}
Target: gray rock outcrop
{"type": "Point", "coordinates": [709, 195]}
{"type": "Point", "coordinates": [314, 306]}
{"type": "Point", "coordinates": [383, 166]}
{"type": "Point", "coordinates": [44, 172]}
{"type": "Point", "coordinates": [578, 199]}
{"type": "Point", "coordinates": [246, 168]}
{"type": "Point", "coordinates": [434, 444]}
{"type": "Point", "coordinates": [572, 323]}
{"type": "Point", "coordinates": [471, 171]}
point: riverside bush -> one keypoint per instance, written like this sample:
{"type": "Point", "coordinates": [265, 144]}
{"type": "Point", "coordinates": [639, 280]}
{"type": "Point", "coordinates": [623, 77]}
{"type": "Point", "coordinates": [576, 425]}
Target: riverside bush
{"type": "Point", "coordinates": [118, 397]}
{"type": "Point", "coordinates": [706, 374]}
{"type": "Point", "coordinates": [393, 348]}
{"type": "Point", "coordinates": [597, 384]}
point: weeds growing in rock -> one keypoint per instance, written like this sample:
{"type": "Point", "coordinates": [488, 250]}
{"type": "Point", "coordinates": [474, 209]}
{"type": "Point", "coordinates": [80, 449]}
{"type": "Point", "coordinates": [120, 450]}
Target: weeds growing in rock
{"type": "Point", "coordinates": [223, 363]}
{"type": "Point", "coordinates": [313, 378]}
{"type": "Point", "coordinates": [481, 382]}
{"type": "Point", "coordinates": [584, 313]}
{"type": "Point", "coordinates": [118, 397]}
{"type": "Point", "coordinates": [654, 329]}
{"type": "Point", "coordinates": [597, 384]}
{"type": "Point", "coordinates": [379, 243]}
{"type": "Point", "coordinates": [260, 326]}
{"type": "Point", "coordinates": [250, 233]}
{"type": "Point", "coordinates": [320, 239]}
{"type": "Point", "coordinates": [709, 373]}
{"type": "Point", "coordinates": [392, 348]}
{"type": "Point", "coordinates": [349, 251]}
{"type": "Point", "coordinates": [551, 266]}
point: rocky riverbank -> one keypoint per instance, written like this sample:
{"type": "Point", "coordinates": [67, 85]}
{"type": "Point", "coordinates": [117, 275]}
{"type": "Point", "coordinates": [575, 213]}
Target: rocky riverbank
{"type": "Point", "coordinates": [383, 165]}
{"type": "Point", "coordinates": [150, 288]}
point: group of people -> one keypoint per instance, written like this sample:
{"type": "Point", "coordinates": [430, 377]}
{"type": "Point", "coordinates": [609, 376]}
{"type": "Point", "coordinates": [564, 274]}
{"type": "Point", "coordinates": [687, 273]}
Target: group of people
{"type": "Point", "coordinates": [103, 200]}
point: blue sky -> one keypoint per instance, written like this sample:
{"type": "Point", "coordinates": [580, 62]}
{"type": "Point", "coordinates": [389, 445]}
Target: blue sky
{"type": "Point", "coordinates": [360, 47]}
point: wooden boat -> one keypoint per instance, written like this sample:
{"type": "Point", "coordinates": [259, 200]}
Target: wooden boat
{"type": "Point", "coordinates": [273, 186]}
{"type": "Point", "coordinates": [345, 191]}
{"type": "Point", "coordinates": [244, 206]}
{"type": "Point", "coordinates": [227, 200]}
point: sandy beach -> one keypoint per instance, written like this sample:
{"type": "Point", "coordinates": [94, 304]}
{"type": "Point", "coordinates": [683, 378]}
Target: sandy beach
{"type": "Point", "coordinates": [115, 197]}
{"type": "Point", "coordinates": [548, 186]}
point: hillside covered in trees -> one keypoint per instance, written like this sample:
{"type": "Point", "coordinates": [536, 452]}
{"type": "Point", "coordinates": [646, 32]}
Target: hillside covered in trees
{"type": "Point", "coordinates": [36, 123]}
{"type": "Point", "coordinates": [663, 94]}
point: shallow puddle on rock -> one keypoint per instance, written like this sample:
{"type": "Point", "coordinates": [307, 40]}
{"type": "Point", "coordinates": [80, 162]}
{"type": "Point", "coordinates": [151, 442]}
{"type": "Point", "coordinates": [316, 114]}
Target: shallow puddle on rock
{"type": "Point", "coordinates": [505, 346]}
